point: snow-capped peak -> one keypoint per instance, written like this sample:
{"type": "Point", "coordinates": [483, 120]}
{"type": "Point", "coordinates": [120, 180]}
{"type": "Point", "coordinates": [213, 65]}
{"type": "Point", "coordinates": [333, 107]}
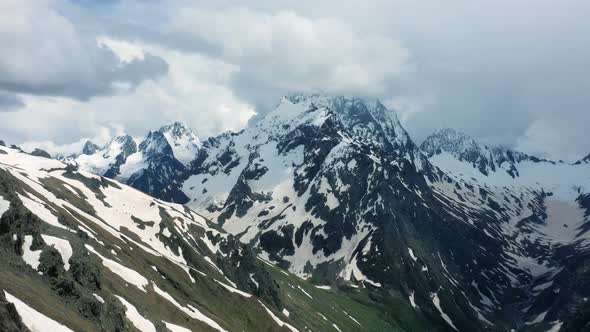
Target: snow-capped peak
{"type": "Point", "coordinates": [450, 143]}
{"type": "Point", "coordinates": [123, 144]}
{"type": "Point", "coordinates": [108, 159]}
{"type": "Point", "coordinates": [184, 143]}
{"type": "Point", "coordinates": [450, 140]}
{"type": "Point", "coordinates": [460, 146]}
{"type": "Point", "coordinates": [358, 112]}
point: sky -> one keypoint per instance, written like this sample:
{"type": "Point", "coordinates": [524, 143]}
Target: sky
{"type": "Point", "coordinates": [512, 73]}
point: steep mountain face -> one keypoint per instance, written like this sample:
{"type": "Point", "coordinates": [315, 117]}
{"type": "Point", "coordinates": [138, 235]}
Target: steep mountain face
{"type": "Point", "coordinates": [80, 252]}
{"type": "Point", "coordinates": [90, 148]}
{"type": "Point", "coordinates": [334, 190]}
{"type": "Point", "coordinates": [153, 166]}
{"type": "Point", "coordinates": [539, 212]}
{"type": "Point", "coordinates": [294, 183]}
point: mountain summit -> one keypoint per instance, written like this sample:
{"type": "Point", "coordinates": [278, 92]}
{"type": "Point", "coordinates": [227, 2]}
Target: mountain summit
{"type": "Point", "coordinates": [184, 143]}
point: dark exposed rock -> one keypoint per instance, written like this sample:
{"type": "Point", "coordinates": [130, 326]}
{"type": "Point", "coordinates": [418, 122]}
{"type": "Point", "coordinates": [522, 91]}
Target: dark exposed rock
{"type": "Point", "coordinates": [90, 148]}
{"type": "Point", "coordinates": [40, 153]}
{"type": "Point", "coordinates": [51, 263]}
{"type": "Point", "coordinates": [85, 271]}
{"type": "Point", "coordinates": [241, 265]}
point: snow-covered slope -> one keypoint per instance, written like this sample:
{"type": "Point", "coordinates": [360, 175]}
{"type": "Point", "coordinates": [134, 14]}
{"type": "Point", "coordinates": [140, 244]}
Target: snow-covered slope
{"type": "Point", "coordinates": [334, 189]}
{"type": "Point", "coordinates": [95, 244]}
{"type": "Point", "coordinates": [84, 253]}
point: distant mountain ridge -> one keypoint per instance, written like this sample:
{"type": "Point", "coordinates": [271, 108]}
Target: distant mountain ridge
{"type": "Point", "coordinates": [464, 148]}
{"type": "Point", "coordinates": [152, 164]}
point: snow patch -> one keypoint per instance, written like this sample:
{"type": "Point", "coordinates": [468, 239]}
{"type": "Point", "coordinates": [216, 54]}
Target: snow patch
{"type": "Point", "coordinates": [323, 287]}
{"type": "Point", "coordinates": [555, 327]}
{"type": "Point", "coordinates": [135, 318]}
{"type": "Point", "coordinates": [100, 299]}
{"type": "Point", "coordinates": [30, 257]}
{"type": "Point", "coordinates": [233, 289]}
{"type": "Point", "coordinates": [32, 318]}
{"type": "Point", "coordinates": [412, 300]}
{"type": "Point", "coordinates": [125, 273]}
{"type": "Point", "coordinates": [4, 205]}
{"type": "Point", "coordinates": [277, 319]}
{"type": "Point", "coordinates": [189, 310]}
{"type": "Point", "coordinates": [436, 302]}
{"type": "Point", "coordinates": [175, 328]}
{"type": "Point", "coordinates": [304, 292]}
{"type": "Point", "coordinates": [539, 318]}
{"type": "Point", "coordinates": [412, 254]}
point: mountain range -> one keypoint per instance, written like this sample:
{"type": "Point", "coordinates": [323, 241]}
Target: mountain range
{"type": "Point", "coordinates": [323, 198]}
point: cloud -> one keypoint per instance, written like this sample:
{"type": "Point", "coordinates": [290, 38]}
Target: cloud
{"type": "Point", "coordinates": [500, 71]}
{"type": "Point", "coordinates": [43, 53]}
{"type": "Point", "coordinates": [10, 102]}
{"type": "Point", "coordinates": [195, 91]}
{"type": "Point", "coordinates": [282, 52]}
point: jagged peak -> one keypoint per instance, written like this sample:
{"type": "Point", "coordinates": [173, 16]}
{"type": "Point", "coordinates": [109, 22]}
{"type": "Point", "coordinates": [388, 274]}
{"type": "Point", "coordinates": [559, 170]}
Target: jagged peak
{"type": "Point", "coordinates": [176, 128]}
{"type": "Point", "coordinates": [122, 144]}
{"type": "Point", "coordinates": [342, 105]}
{"type": "Point", "coordinates": [90, 148]}
{"type": "Point", "coordinates": [122, 138]}
{"type": "Point", "coordinates": [327, 100]}
{"type": "Point", "coordinates": [452, 141]}
{"type": "Point", "coordinates": [457, 142]}
{"type": "Point", "coordinates": [182, 140]}
{"type": "Point", "coordinates": [155, 143]}
{"type": "Point", "coordinates": [364, 117]}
